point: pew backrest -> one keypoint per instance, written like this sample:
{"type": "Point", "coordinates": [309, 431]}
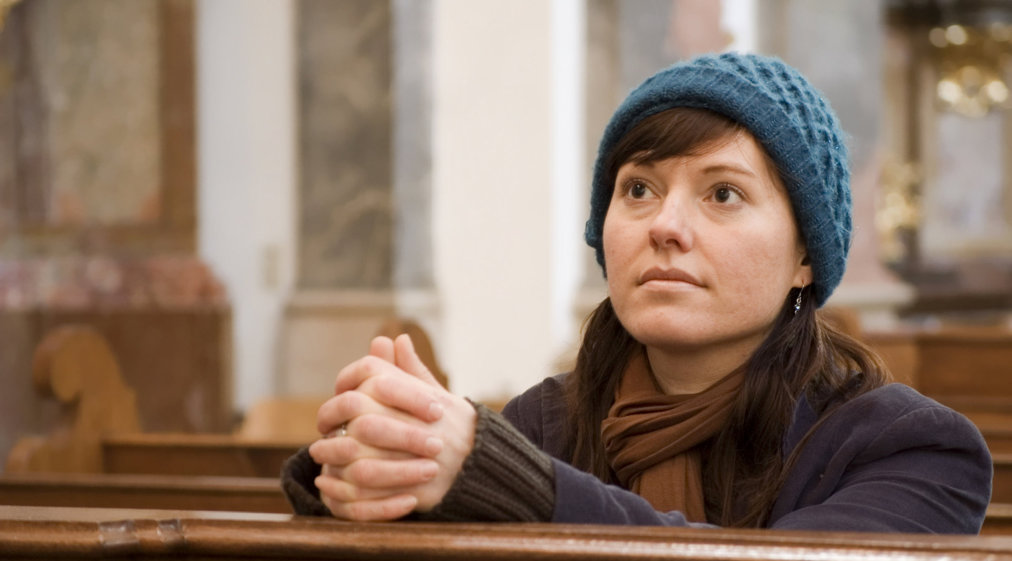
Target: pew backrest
{"type": "Point", "coordinates": [75, 365]}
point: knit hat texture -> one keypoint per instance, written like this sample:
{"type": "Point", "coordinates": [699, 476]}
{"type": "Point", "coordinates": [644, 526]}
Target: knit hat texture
{"type": "Point", "coordinates": [786, 115]}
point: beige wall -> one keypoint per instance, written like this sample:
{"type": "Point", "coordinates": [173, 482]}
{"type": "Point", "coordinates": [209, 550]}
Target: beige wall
{"type": "Point", "coordinates": [246, 177]}
{"type": "Point", "coordinates": [493, 203]}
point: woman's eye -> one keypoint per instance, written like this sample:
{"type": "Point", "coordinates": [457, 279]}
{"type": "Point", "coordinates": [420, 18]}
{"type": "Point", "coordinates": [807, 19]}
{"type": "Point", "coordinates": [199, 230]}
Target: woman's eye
{"type": "Point", "coordinates": [638, 190]}
{"type": "Point", "coordinates": [725, 194]}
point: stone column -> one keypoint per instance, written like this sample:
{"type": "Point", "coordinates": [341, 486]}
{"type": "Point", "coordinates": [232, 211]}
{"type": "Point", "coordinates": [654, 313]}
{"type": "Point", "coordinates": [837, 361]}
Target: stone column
{"type": "Point", "coordinates": [364, 249]}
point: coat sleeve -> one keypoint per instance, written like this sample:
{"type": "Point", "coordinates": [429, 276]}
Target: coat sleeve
{"type": "Point", "coordinates": [927, 470]}
{"type": "Point", "coordinates": [298, 474]}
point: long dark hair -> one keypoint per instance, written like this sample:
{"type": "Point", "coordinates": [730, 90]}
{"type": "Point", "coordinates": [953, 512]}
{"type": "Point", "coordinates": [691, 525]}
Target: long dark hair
{"type": "Point", "coordinates": [744, 468]}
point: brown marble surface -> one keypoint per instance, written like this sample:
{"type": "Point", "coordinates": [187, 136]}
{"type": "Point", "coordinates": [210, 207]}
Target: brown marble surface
{"type": "Point", "coordinates": [345, 138]}
{"type": "Point", "coordinates": [79, 113]}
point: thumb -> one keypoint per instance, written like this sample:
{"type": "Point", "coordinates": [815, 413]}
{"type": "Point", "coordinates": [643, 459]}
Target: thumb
{"type": "Point", "coordinates": [407, 360]}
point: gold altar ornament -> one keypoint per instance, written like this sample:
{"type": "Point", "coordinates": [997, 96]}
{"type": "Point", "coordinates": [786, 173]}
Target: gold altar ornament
{"type": "Point", "coordinates": [971, 62]}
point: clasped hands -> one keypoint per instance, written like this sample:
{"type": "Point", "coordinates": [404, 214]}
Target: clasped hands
{"type": "Point", "coordinates": [395, 439]}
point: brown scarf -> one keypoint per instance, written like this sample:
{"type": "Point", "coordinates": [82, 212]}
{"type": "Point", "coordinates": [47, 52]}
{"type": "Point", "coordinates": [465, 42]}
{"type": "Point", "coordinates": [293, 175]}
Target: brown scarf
{"type": "Point", "coordinates": [652, 438]}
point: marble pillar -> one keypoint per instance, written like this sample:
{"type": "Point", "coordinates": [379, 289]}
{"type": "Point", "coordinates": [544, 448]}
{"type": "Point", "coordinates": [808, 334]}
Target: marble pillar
{"type": "Point", "coordinates": [345, 137]}
{"type": "Point", "coordinates": [82, 85]}
{"type": "Point", "coordinates": [364, 117]}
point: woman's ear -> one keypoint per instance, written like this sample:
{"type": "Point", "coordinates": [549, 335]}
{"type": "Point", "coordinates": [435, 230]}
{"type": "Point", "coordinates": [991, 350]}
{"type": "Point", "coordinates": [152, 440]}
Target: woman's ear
{"type": "Point", "coordinates": [803, 276]}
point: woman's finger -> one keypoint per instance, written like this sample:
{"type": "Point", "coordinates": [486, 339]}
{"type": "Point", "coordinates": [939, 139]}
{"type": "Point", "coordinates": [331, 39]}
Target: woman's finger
{"type": "Point", "coordinates": [369, 367]}
{"type": "Point", "coordinates": [387, 474]}
{"type": "Point", "coordinates": [388, 433]}
{"type": "Point", "coordinates": [341, 451]}
{"type": "Point", "coordinates": [386, 383]}
{"type": "Point", "coordinates": [376, 436]}
{"type": "Point", "coordinates": [341, 409]}
{"type": "Point", "coordinates": [390, 508]}
{"type": "Point", "coordinates": [341, 491]}
{"type": "Point", "coordinates": [382, 347]}
{"type": "Point", "coordinates": [405, 393]}
{"type": "Point", "coordinates": [352, 375]}
{"type": "Point", "coordinates": [409, 361]}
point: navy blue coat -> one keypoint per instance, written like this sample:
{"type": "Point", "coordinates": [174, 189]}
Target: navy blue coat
{"type": "Point", "coordinates": [890, 460]}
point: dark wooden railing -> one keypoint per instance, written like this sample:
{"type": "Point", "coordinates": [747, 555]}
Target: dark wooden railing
{"type": "Point", "coordinates": [172, 492]}
{"type": "Point", "coordinates": [40, 533]}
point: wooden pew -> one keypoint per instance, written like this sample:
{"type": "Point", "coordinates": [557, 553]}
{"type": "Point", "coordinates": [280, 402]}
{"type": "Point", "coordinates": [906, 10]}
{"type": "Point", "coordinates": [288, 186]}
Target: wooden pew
{"type": "Point", "coordinates": [194, 454]}
{"type": "Point", "coordinates": [243, 494]}
{"type": "Point", "coordinates": [93, 457]}
{"type": "Point", "coordinates": [236, 494]}
{"type": "Point", "coordinates": [998, 520]}
{"type": "Point", "coordinates": [44, 533]}
{"type": "Point", "coordinates": [965, 368]}
{"type": "Point", "coordinates": [1002, 483]}
{"type": "Point", "coordinates": [75, 365]}
{"type": "Point", "coordinates": [101, 431]}
{"type": "Point", "coordinates": [996, 428]}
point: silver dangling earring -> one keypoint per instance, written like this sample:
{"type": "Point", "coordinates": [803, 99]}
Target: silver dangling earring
{"type": "Point", "coordinates": [797, 302]}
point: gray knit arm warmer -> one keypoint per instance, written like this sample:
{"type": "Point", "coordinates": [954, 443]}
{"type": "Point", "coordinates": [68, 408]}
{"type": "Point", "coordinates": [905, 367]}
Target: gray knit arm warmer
{"type": "Point", "coordinates": [506, 478]}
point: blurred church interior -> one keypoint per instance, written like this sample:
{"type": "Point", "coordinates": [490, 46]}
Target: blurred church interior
{"type": "Point", "coordinates": [236, 195]}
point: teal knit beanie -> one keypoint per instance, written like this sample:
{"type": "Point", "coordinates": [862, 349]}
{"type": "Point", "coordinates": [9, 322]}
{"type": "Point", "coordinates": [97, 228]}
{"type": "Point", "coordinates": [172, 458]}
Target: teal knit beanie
{"type": "Point", "coordinates": [789, 118]}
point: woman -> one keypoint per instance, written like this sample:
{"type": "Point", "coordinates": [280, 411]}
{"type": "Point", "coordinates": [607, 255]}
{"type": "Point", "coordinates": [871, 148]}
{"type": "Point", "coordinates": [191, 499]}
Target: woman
{"type": "Point", "coordinates": [707, 391]}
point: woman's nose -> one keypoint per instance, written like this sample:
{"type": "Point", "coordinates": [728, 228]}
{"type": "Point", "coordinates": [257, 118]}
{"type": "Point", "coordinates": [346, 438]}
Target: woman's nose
{"type": "Point", "coordinates": [672, 225]}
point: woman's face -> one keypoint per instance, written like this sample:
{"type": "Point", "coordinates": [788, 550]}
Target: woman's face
{"type": "Point", "coordinates": [702, 250]}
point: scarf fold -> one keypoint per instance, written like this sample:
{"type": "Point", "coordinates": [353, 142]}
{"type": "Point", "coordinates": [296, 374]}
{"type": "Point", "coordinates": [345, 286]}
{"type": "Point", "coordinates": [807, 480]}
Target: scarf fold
{"type": "Point", "coordinates": [652, 439]}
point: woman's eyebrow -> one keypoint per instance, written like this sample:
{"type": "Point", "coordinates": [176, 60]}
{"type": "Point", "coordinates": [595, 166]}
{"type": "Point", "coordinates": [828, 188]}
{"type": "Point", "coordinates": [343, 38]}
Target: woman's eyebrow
{"type": "Point", "coordinates": [729, 168]}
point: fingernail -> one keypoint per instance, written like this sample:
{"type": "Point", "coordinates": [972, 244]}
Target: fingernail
{"type": "Point", "coordinates": [435, 411]}
{"type": "Point", "coordinates": [433, 445]}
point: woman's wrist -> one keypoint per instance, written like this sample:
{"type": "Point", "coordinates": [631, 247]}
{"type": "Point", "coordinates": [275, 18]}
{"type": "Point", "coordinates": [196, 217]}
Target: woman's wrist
{"type": "Point", "coordinates": [505, 478]}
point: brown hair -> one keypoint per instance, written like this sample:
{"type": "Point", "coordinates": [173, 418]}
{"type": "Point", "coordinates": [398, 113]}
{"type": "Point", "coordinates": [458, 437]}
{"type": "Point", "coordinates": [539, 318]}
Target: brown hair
{"type": "Point", "coordinates": [744, 467]}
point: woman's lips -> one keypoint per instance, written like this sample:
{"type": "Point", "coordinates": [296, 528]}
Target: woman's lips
{"type": "Point", "coordinates": [671, 274]}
